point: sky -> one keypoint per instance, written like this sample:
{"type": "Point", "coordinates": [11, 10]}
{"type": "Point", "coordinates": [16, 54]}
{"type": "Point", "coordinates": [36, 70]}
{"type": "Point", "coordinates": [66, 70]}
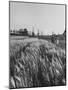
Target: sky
{"type": "Point", "coordinates": [45, 18]}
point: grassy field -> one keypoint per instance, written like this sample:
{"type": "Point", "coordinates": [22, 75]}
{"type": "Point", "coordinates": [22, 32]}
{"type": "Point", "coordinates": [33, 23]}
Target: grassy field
{"type": "Point", "coordinates": [36, 63]}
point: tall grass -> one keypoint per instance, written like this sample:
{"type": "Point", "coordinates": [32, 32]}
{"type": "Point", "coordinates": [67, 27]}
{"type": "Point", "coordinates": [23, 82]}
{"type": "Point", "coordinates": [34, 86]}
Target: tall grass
{"type": "Point", "coordinates": [36, 64]}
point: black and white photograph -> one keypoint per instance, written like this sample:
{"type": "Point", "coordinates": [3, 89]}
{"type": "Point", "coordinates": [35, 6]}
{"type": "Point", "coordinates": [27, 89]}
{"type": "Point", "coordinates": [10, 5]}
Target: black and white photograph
{"type": "Point", "coordinates": [37, 44]}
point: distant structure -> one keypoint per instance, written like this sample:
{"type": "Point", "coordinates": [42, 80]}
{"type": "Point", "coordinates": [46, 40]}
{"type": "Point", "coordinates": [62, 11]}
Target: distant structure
{"type": "Point", "coordinates": [23, 32]}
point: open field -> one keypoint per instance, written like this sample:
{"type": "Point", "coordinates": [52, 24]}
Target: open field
{"type": "Point", "coordinates": [36, 63]}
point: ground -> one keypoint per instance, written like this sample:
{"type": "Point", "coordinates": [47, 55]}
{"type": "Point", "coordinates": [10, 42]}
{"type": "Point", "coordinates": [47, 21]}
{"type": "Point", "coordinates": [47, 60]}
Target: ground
{"type": "Point", "coordinates": [36, 62]}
